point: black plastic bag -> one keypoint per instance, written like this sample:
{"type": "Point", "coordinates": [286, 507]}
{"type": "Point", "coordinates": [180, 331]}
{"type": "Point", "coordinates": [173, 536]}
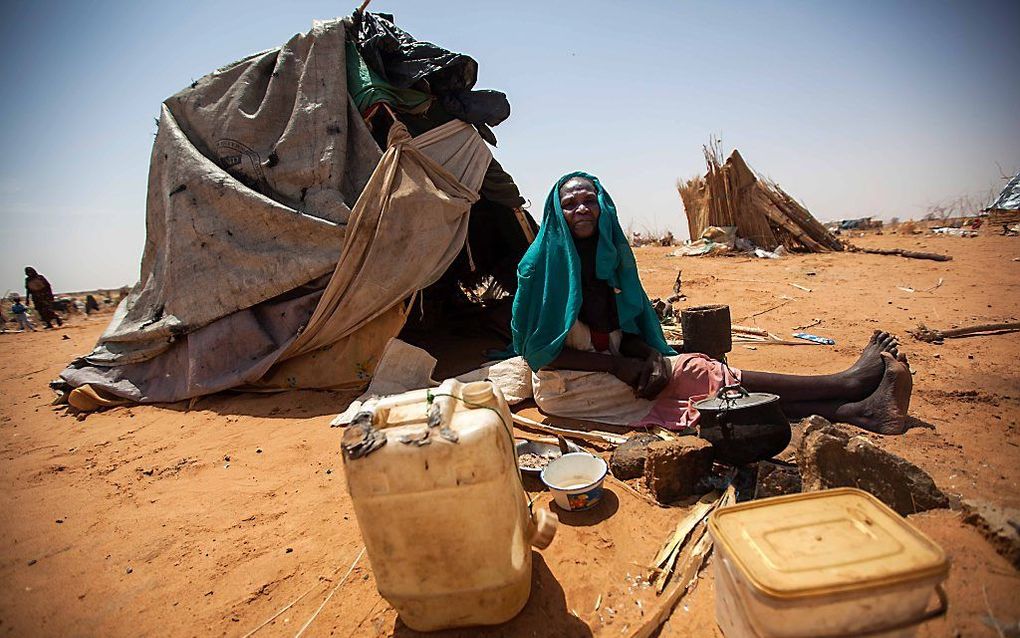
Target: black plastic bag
{"type": "Point", "coordinates": [405, 62]}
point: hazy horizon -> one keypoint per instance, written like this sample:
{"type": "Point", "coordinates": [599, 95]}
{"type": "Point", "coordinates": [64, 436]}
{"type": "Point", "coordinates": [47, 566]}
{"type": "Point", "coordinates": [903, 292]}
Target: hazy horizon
{"type": "Point", "coordinates": [854, 108]}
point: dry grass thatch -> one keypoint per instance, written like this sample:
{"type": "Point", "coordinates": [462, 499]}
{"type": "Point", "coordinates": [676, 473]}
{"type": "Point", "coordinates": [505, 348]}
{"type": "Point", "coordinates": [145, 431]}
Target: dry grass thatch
{"type": "Point", "coordinates": [731, 194]}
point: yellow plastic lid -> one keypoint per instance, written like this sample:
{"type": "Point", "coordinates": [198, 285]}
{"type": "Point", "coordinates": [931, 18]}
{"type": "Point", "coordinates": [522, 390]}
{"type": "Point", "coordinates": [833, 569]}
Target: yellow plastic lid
{"type": "Point", "coordinates": [821, 543]}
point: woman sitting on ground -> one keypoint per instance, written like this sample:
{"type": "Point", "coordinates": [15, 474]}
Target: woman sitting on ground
{"type": "Point", "coordinates": [586, 328]}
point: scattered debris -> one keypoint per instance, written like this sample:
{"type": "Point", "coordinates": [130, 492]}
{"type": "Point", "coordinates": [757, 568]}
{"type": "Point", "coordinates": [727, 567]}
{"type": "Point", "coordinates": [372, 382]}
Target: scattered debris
{"type": "Point", "coordinates": [905, 289]}
{"type": "Point", "coordinates": [674, 468]}
{"type": "Point", "coordinates": [628, 460]}
{"type": "Point", "coordinates": [815, 338]}
{"type": "Point", "coordinates": [799, 287]}
{"type": "Point", "coordinates": [937, 285]}
{"type": "Point", "coordinates": [834, 456]}
{"type": "Point", "coordinates": [811, 324]}
{"type": "Point", "coordinates": [954, 232]}
{"type": "Point", "coordinates": [1000, 525]}
{"type": "Point", "coordinates": [928, 335]}
{"type": "Point", "coordinates": [665, 560]}
{"type": "Point", "coordinates": [691, 560]}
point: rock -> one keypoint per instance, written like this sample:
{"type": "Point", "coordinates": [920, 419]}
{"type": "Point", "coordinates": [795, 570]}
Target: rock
{"type": "Point", "coordinates": [674, 468]}
{"type": "Point", "coordinates": [1000, 525]}
{"type": "Point", "coordinates": [628, 460]}
{"type": "Point", "coordinates": [835, 456]}
{"type": "Point", "coordinates": [776, 480]}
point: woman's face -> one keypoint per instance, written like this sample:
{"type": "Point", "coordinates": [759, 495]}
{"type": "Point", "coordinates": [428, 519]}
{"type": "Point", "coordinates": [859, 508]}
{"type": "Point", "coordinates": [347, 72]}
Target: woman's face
{"type": "Point", "coordinates": [580, 203]}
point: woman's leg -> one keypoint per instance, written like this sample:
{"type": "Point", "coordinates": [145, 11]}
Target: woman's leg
{"type": "Point", "coordinates": [853, 384]}
{"type": "Point", "coordinates": [883, 411]}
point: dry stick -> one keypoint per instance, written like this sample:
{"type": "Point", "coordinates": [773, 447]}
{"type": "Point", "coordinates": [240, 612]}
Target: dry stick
{"type": "Point", "coordinates": [991, 616]}
{"type": "Point", "coordinates": [342, 580]}
{"type": "Point", "coordinates": [737, 329]}
{"type": "Point", "coordinates": [665, 561]}
{"type": "Point", "coordinates": [290, 604]}
{"type": "Point", "coordinates": [923, 333]}
{"type": "Point", "coordinates": [591, 436]}
{"type": "Point", "coordinates": [692, 565]}
{"type": "Point", "coordinates": [912, 254]}
{"type": "Point", "coordinates": [933, 287]}
{"type": "Point", "coordinates": [766, 310]}
{"type": "Point", "coordinates": [814, 322]}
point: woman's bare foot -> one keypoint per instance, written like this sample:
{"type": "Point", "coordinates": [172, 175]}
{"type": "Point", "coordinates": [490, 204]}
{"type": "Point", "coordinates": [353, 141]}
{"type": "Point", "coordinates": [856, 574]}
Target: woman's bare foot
{"type": "Point", "coordinates": [885, 411]}
{"type": "Point", "coordinates": [864, 376]}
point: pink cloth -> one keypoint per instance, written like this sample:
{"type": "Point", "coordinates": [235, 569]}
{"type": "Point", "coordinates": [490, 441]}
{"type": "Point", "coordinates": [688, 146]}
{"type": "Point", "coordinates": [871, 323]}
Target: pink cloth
{"type": "Point", "coordinates": [695, 377]}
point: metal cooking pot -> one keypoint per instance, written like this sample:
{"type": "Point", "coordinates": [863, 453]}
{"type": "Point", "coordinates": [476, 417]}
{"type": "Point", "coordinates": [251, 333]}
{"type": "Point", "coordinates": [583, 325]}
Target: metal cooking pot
{"type": "Point", "coordinates": [743, 427]}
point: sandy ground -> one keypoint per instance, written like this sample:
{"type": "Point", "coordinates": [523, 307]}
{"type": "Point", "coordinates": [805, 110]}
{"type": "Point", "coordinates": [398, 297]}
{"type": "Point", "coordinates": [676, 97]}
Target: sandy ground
{"type": "Point", "coordinates": [158, 520]}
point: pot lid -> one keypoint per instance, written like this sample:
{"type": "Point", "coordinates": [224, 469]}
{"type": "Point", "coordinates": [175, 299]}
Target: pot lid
{"type": "Point", "coordinates": [734, 397]}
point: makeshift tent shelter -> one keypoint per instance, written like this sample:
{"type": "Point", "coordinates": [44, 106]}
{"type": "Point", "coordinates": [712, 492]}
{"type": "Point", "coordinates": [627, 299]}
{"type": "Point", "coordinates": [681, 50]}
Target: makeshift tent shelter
{"type": "Point", "coordinates": [731, 194]}
{"type": "Point", "coordinates": [283, 248]}
{"type": "Point", "coordinates": [1006, 207]}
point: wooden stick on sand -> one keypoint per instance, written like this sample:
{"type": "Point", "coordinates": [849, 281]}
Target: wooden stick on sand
{"type": "Point", "coordinates": [926, 334]}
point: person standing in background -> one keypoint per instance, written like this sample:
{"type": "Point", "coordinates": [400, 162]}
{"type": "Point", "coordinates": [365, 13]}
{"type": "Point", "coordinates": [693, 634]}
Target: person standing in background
{"type": "Point", "coordinates": [39, 292]}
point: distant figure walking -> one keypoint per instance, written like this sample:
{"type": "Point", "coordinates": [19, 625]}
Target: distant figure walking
{"type": "Point", "coordinates": [39, 292]}
{"type": "Point", "coordinates": [20, 313]}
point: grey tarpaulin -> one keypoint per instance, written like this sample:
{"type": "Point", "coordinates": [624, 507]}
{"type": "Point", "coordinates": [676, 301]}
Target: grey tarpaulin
{"type": "Point", "coordinates": [1009, 198]}
{"type": "Point", "coordinates": [254, 172]}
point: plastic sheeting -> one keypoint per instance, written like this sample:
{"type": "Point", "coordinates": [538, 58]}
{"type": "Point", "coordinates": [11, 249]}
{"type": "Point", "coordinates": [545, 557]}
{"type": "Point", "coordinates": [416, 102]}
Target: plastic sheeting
{"type": "Point", "coordinates": [253, 173]}
{"type": "Point", "coordinates": [1009, 198]}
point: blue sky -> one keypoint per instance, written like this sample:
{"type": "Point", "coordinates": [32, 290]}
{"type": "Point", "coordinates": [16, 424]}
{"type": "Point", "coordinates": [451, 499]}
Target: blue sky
{"type": "Point", "coordinates": [856, 108]}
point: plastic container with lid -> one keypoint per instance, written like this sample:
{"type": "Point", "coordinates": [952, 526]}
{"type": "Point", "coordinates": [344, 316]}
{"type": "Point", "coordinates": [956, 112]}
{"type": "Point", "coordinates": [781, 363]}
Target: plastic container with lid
{"type": "Point", "coordinates": [441, 507]}
{"type": "Point", "coordinates": [823, 564]}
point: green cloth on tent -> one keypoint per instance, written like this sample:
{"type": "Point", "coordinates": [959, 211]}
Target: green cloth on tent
{"type": "Point", "coordinates": [367, 87]}
{"type": "Point", "coordinates": [549, 294]}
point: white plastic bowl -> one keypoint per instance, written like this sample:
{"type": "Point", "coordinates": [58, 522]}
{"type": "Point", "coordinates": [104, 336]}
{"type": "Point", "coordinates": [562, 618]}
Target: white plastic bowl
{"type": "Point", "coordinates": [575, 480]}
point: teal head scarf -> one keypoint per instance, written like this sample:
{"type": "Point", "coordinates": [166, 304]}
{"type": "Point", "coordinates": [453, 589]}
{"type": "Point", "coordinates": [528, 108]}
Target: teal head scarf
{"type": "Point", "coordinates": [549, 293]}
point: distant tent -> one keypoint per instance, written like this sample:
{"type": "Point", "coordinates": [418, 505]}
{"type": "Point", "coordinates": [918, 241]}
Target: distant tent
{"type": "Point", "coordinates": [1006, 207]}
{"type": "Point", "coordinates": [284, 247]}
{"type": "Point", "coordinates": [730, 194]}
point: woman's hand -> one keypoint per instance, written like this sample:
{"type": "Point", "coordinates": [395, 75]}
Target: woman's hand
{"type": "Point", "coordinates": [648, 376]}
{"type": "Point", "coordinates": [628, 370]}
{"type": "Point", "coordinates": [655, 376]}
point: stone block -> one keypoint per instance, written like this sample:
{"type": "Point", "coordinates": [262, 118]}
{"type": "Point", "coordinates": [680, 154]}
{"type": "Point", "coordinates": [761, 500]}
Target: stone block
{"type": "Point", "coordinates": [628, 460]}
{"type": "Point", "coordinates": [1000, 525]}
{"type": "Point", "coordinates": [834, 456]}
{"type": "Point", "coordinates": [674, 468]}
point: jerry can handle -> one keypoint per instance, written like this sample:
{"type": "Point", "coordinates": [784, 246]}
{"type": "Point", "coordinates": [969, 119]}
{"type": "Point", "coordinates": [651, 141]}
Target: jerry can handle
{"type": "Point", "coordinates": [543, 528]}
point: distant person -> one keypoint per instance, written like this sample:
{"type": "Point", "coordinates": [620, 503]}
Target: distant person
{"type": "Point", "coordinates": [91, 305]}
{"type": "Point", "coordinates": [20, 313]}
{"type": "Point", "coordinates": [39, 292]}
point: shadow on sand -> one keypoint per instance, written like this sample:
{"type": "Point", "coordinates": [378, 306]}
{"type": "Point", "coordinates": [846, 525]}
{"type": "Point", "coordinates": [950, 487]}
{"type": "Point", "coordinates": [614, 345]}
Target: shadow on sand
{"type": "Point", "coordinates": [545, 614]}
